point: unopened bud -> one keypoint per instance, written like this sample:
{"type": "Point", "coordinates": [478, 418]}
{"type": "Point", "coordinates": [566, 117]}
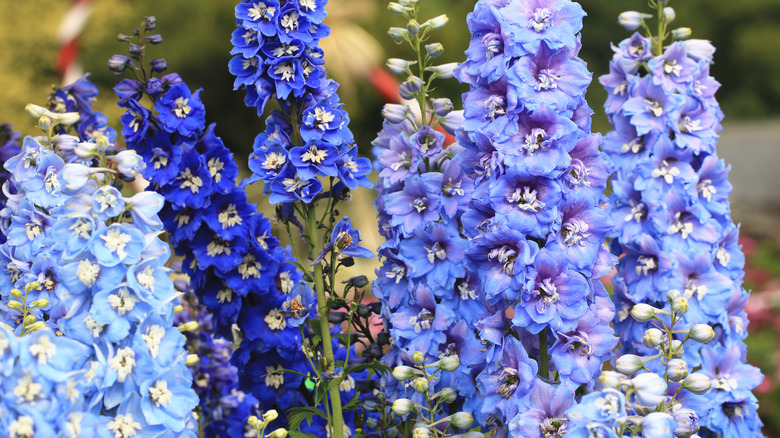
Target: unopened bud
{"type": "Point", "coordinates": [680, 305]}
{"type": "Point", "coordinates": [629, 364]}
{"type": "Point", "coordinates": [41, 303]}
{"type": "Point", "coordinates": [413, 26]}
{"type": "Point", "coordinates": [29, 320]}
{"type": "Point", "coordinates": [395, 113]}
{"type": "Point", "coordinates": [669, 14]}
{"type": "Point", "coordinates": [677, 348]}
{"type": "Point", "coordinates": [66, 119]}
{"type": "Point", "coordinates": [31, 286]}
{"type": "Point", "coordinates": [35, 110]}
{"type": "Point", "coordinates": [697, 383]}
{"type": "Point", "coordinates": [444, 71]}
{"type": "Point", "coordinates": [643, 312]}
{"type": "Point", "coordinates": [462, 420]}
{"type": "Point", "coordinates": [403, 372]}
{"type": "Point", "coordinates": [278, 433]}
{"type": "Point", "coordinates": [192, 359]}
{"type": "Point", "coordinates": [447, 395]}
{"type": "Point", "coordinates": [397, 9]}
{"type": "Point", "coordinates": [36, 326]}
{"type": "Point", "coordinates": [434, 49]}
{"type": "Point", "coordinates": [437, 23]}
{"type": "Point", "coordinates": [687, 422]}
{"type": "Point", "coordinates": [418, 357]}
{"type": "Point", "coordinates": [672, 295]}
{"type": "Point", "coordinates": [676, 370]}
{"type": "Point", "coordinates": [410, 86]}
{"type": "Point", "coordinates": [609, 379]}
{"type": "Point", "coordinates": [402, 406]}
{"type": "Point", "coordinates": [442, 106]}
{"type": "Point", "coordinates": [398, 34]}
{"type": "Point", "coordinates": [398, 66]}
{"type": "Point", "coordinates": [682, 33]}
{"type": "Point", "coordinates": [450, 363]}
{"type": "Point", "coordinates": [701, 333]}
{"type": "Point", "coordinates": [421, 385]}
{"type": "Point", "coordinates": [45, 122]}
{"type": "Point", "coordinates": [177, 309]}
{"type": "Point", "coordinates": [631, 20]}
{"type": "Point", "coordinates": [421, 432]}
{"type": "Point", "coordinates": [253, 422]}
{"type": "Point", "coordinates": [16, 293]}
{"type": "Point", "coordinates": [15, 305]}
{"type": "Point", "coordinates": [189, 326]}
{"type": "Point", "coordinates": [270, 416]}
{"type": "Point", "coordinates": [653, 338]}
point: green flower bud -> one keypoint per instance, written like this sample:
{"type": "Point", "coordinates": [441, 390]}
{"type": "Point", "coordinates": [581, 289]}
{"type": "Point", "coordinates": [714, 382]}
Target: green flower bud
{"type": "Point", "coordinates": [41, 303]}
{"type": "Point", "coordinates": [447, 395]}
{"type": "Point", "coordinates": [450, 363]}
{"type": "Point", "coordinates": [653, 338]}
{"type": "Point", "coordinates": [434, 49]}
{"type": "Point", "coordinates": [192, 359]}
{"type": "Point", "coordinates": [397, 9]}
{"type": "Point", "coordinates": [189, 326]}
{"type": "Point", "coordinates": [421, 385]}
{"type": "Point", "coordinates": [413, 27]}
{"type": "Point", "coordinates": [398, 34]}
{"type": "Point", "coordinates": [29, 320]}
{"type": "Point", "coordinates": [16, 293]}
{"type": "Point", "coordinates": [682, 33]}
{"type": "Point", "coordinates": [629, 364]}
{"type": "Point", "coordinates": [421, 432]}
{"type": "Point", "coordinates": [16, 305]}
{"type": "Point", "coordinates": [437, 23]}
{"type": "Point", "coordinates": [669, 14]}
{"type": "Point", "coordinates": [676, 370]}
{"type": "Point", "coordinates": [418, 357]}
{"type": "Point", "coordinates": [680, 306]}
{"type": "Point", "coordinates": [36, 326]}
{"type": "Point", "coordinates": [278, 433]}
{"type": "Point", "coordinates": [270, 416]}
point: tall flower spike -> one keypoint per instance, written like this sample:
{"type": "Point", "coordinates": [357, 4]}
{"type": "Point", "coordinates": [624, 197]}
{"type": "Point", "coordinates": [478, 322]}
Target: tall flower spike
{"type": "Point", "coordinates": [670, 204]}
{"type": "Point", "coordinates": [537, 217]}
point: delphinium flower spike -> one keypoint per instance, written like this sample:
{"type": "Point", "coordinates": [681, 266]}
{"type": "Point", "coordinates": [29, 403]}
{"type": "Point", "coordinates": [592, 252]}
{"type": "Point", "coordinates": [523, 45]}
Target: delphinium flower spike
{"type": "Point", "coordinates": [92, 268]}
{"type": "Point", "coordinates": [236, 267]}
{"type": "Point", "coordinates": [670, 203]}
{"type": "Point", "coordinates": [308, 164]}
{"type": "Point", "coordinates": [537, 217]}
{"type": "Point", "coordinates": [430, 304]}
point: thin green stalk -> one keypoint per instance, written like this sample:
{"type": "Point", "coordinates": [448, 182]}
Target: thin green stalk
{"type": "Point", "coordinates": [337, 417]}
{"type": "Point", "coordinates": [544, 357]}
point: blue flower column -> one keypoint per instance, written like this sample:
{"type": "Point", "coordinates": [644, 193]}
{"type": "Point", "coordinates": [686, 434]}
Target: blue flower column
{"type": "Point", "coordinates": [670, 203]}
{"type": "Point", "coordinates": [537, 215]}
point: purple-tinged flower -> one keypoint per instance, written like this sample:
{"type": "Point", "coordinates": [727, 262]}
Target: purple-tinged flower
{"type": "Point", "coordinates": [436, 253]}
{"type": "Point", "coordinates": [651, 107]}
{"type": "Point", "coordinates": [501, 260]}
{"type": "Point", "coordinates": [181, 111]}
{"type": "Point", "coordinates": [417, 203]}
{"type": "Point", "coordinates": [507, 380]}
{"type": "Point", "coordinates": [421, 325]}
{"type": "Point", "coordinates": [554, 22]}
{"type": "Point", "coordinates": [674, 69]}
{"type": "Point", "coordinates": [546, 415]}
{"type": "Point", "coordinates": [579, 353]}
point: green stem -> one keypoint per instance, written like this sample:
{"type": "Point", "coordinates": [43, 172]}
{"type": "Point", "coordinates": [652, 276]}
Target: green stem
{"type": "Point", "coordinates": [323, 309]}
{"type": "Point", "coordinates": [544, 357]}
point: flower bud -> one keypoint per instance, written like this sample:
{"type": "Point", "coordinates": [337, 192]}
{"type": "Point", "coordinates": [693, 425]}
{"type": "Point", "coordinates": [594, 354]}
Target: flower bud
{"type": "Point", "coordinates": [669, 14]}
{"type": "Point", "coordinates": [697, 383]}
{"type": "Point", "coordinates": [36, 326]}
{"type": "Point", "coordinates": [16, 293]}
{"type": "Point", "coordinates": [609, 379]}
{"type": "Point", "coordinates": [437, 23]}
{"type": "Point", "coordinates": [65, 142]}
{"type": "Point", "coordinates": [687, 422]}
{"type": "Point", "coordinates": [135, 50]}
{"type": "Point", "coordinates": [150, 23]}
{"type": "Point", "coordinates": [631, 20]}
{"type": "Point", "coordinates": [398, 34]}
{"type": "Point", "coordinates": [421, 385]}
{"type": "Point", "coordinates": [29, 320]}
{"type": "Point", "coordinates": [653, 338]}
{"type": "Point", "coordinates": [41, 303]}
{"type": "Point", "coordinates": [395, 113]}
{"type": "Point", "coordinates": [253, 422]}
{"type": "Point", "coordinates": [128, 163]}
{"type": "Point", "coordinates": [159, 65]}
{"type": "Point", "coordinates": [681, 33]}
{"type": "Point", "coordinates": [402, 406]}
{"type": "Point", "coordinates": [643, 312]}
{"type": "Point", "coordinates": [413, 27]}
{"type": "Point", "coordinates": [702, 333]}
{"type": "Point", "coordinates": [449, 363]}
{"type": "Point", "coordinates": [677, 350]}
{"type": "Point", "coordinates": [444, 71]}
{"type": "Point", "coordinates": [403, 372]}
{"type": "Point", "coordinates": [672, 295]}
{"type": "Point", "coordinates": [452, 122]}
{"type": "Point", "coordinates": [680, 306]}
{"type": "Point", "coordinates": [74, 176]}
{"type": "Point", "coordinates": [86, 150]}
{"type": "Point", "coordinates": [178, 309]}
{"type": "Point", "coordinates": [398, 66]}
{"type": "Point", "coordinates": [447, 395]}
{"type": "Point", "coordinates": [658, 424]}
{"type": "Point", "coordinates": [154, 39]}
{"type": "Point", "coordinates": [442, 106]}
{"type": "Point", "coordinates": [397, 9]}
{"type": "Point", "coordinates": [421, 432]}
{"type": "Point", "coordinates": [462, 420]}
{"type": "Point", "coordinates": [434, 50]}
{"type": "Point", "coordinates": [66, 119]}
{"type": "Point", "coordinates": [192, 359]}
{"type": "Point", "coordinates": [35, 110]}
{"type": "Point", "coordinates": [189, 326]}
{"type": "Point", "coordinates": [676, 370]}
{"type": "Point", "coordinates": [418, 357]}
{"type": "Point", "coordinates": [628, 364]}
{"type": "Point", "coordinates": [270, 416]}
{"type": "Point", "coordinates": [45, 122]}
{"type": "Point", "coordinates": [278, 433]}
{"type": "Point", "coordinates": [372, 422]}
{"type": "Point", "coordinates": [471, 434]}
{"type": "Point", "coordinates": [410, 86]}
{"type": "Point", "coordinates": [15, 305]}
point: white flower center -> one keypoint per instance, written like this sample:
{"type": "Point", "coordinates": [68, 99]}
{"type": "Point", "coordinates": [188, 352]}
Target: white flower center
{"type": "Point", "coordinates": [423, 320]}
{"type": "Point", "coordinates": [259, 11]}
{"type": "Point", "coordinates": [123, 363]}
{"type": "Point", "coordinates": [666, 171]}
{"type": "Point", "coordinates": [22, 427]}
{"type": "Point", "coordinates": [225, 295]}
{"type": "Point", "coordinates": [634, 146]}
{"type": "Point", "coordinates": [146, 278]}
{"type": "Point", "coordinates": [95, 327]}
{"type": "Point", "coordinates": [274, 377]}
{"type": "Point", "coordinates": [229, 217]}
{"type": "Point", "coordinates": [275, 320]}
{"type": "Point", "coordinates": [322, 118]}
{"type": "Point", "coordinates": [274, 160]}
{"type": "Point", "coordinates": [190, 181]}
{"type": "Point", "coordinates": [314, 155]}
{"type": "Point", "coordinates": [81, 229]}
{"type": "Point", "coordinates": [106, 200]}
{"type": "Point", "coordinates": [284, 70]}
{"type": "Point", "coordinates": [285, 282]}
{"type": "Point", "coordinates": [293, 184]}
{"type": "Point", "coordinates": [159, 393]}
{"type": "Point", "coordinates": [43, 350]}
{"type": "Point", "coordinates": [116, 241]}
{"type": "Point", "coordinates": [290, 22]}
{"type": "Point", "coordinates": [249, 267]}
{"type": "Point", "coordinates": [645, 264]}
{"type": "Point", "coordinates": [27, 390]}
{"type": "Point", "coordinates": [436, 252]}
{"type": "Point", "coordinates": [122, 301]}
{"type": "Point", "coordinates": [215, 167]}
{"type": "Point", "coordinates": [124, 426]}
{"type": "Point", "coordinates": [153, 337]}
{"type": "Point", "coordinates": [525, 199]}
{"type": "Point", "coordinates": [87, 272]}
{"type": "Point", "coordinates": [542, 19]}
{"type": "Point", "coordinates": [182, 110]}
{"type": "Point", "coordinates": [671, 67]}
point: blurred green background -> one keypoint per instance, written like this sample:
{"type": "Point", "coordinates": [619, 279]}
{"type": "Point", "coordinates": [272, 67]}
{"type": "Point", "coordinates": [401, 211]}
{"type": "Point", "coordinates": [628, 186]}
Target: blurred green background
{"type": "Point", "coordinates": [746, 34]}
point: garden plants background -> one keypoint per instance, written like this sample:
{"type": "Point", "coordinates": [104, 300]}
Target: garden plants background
{"type": "Point", "coordinates": [165, 275]}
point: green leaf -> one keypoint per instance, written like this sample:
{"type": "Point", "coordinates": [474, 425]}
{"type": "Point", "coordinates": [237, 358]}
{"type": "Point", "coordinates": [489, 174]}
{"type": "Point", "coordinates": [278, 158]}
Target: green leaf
{"type": "Point", "coordinates": [295, 416]}
{"type": "Point", "coordinates": [379, 367]}
{"type": "Point", "coordinates": [309, 383]}
{"type": "Point", "coordinates": [354, 403]}
{"type": "Point", "coordinates": [298, 434]}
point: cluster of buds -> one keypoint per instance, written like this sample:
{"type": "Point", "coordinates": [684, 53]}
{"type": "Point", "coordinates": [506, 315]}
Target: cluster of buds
{"type": "Point", "coordinates": [259, 425]}
{"type": "Point", "coordinates": [27, 321]}
{"type": "Point", "coordinates": [649, 393]}
{"type": "Point", "coordinates": [426, 411]}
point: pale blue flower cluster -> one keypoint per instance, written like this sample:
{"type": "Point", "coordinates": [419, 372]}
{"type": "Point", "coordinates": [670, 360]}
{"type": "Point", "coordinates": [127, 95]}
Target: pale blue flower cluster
{"type": "Point", "coordinates": [670, 203]}
{"type": "Point", "coordinates": [430, 304]}
{"type": "Point", "coordinates": [92, 268]}
{"type": "Point", "coordinates": [537, 217]}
